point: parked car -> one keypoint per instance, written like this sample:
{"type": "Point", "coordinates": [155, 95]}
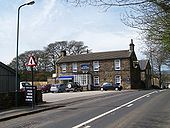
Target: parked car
{"type": "Point", "coordinates": [109, 86]}
{"type": "Point", "coordinates": [57, 87]}
{"type": "Point", "coordinates": [46, 88]}
{"type": "Point", "coordinates": [118, 87]}
{"type": "Point", "coordinates": [74, 86]}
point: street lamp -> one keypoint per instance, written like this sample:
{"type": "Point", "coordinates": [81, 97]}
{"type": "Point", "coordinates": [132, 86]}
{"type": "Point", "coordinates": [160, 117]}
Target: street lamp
{"type": "Point", "coordinates": [16, 91]}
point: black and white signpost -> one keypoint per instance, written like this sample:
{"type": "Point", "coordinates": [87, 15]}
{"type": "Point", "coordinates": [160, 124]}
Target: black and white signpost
{"type": "Point", "coordinates": [30, 90]}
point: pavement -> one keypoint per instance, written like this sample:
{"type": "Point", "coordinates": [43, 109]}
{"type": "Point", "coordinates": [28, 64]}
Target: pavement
{"type": "Point", "coordinates": [51, 101]}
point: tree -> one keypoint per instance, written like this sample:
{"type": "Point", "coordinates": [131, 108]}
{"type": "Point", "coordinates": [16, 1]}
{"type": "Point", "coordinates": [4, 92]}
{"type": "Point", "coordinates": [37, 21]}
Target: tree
{"type": "Point", "coordinates": [46, 59]}
{"type": "Point", "coordinates": [107, 3]}
{"type": "Point", "coordinates": [158, 59]}
{"type": "Point", "coordinates": [154, 21]}
{"type": "Point", "coordinates": [150, 16]}
{"type": "Point", "coordinates": [24, 70]}
{"type": "Point", "coordinates": [24, 58]}
{"type": "Point", "coordinates": [76, 47]}
{"type": "Point", "coordinates": [53, 53]}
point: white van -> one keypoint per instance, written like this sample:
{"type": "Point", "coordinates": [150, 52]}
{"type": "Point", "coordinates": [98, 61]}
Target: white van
{"type": "Point", "coordinates": [23, 84]}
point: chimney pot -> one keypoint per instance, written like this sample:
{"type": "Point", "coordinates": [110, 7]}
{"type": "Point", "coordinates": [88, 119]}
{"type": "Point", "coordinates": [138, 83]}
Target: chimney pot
{"type": "Point", "coordinates": [63, 53]}
{"type": "Point", "coordinates": [131, 46]}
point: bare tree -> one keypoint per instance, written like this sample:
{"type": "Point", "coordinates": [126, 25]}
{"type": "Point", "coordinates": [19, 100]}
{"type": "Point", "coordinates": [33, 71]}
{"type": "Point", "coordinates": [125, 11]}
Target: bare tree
{"type": "Point", "coordinates": [76, 47]}
{"type": "Point", "coordinates": [46, 59]}
{"type": "Point", "coordinates": [150, 16]}
{"type": "Point", "coordinates": [158, 58]}
{"type": "Point", "coordinates": [24, 58]}
{"type": "Point", "coordinates": [53, 53]}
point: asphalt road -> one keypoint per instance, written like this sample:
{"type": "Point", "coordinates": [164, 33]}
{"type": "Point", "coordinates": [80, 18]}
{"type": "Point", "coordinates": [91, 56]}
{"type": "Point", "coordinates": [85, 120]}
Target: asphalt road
{"type": "Point", "coordinates": [135, 109]}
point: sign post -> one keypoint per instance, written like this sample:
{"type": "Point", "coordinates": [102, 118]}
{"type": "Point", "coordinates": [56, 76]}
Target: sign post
{"type": "Point", "coordinates": [31, 91]}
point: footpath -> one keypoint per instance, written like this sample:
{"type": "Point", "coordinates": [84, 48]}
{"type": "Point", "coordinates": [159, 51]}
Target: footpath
{"type": "Point", "coordinates": [51, 101]}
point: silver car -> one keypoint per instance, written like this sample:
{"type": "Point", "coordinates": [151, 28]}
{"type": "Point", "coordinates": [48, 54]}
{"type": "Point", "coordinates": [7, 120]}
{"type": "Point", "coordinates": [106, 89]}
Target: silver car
{"type": "Point", "coordinates": [57, 88]}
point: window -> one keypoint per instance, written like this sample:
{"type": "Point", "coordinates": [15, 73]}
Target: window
{"type": "Point", "coordinates": [117, 64]}
{"type": "Point", "coordinates": [83, 79]}
{"type": "Point", "coordinates": [96, 66]}
{"type": "Point", "coordinates": [63, 67]}
{"type": "Point", "coordinates": [96, 81]}
{"type": "Point", "coordinates": [117, 79]}
{"type": "Point", "coordinates": [74, 67]}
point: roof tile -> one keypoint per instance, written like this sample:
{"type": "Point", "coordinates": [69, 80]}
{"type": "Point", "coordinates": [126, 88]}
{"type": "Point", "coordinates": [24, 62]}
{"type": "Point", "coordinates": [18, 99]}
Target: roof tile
{"type": "Point", "coordinates": [96, 56]}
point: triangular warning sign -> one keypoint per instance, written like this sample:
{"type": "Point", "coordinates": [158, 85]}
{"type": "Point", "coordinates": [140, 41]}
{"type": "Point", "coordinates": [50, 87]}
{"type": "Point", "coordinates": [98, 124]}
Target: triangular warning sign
{"type": "Point", "coordinates": [31, 61]}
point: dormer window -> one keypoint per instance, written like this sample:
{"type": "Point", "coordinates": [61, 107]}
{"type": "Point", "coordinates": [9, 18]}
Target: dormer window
{"type": "Point", "coordinates": [96, 66]}
{"type": "Point", "coordinates": [117, 64]}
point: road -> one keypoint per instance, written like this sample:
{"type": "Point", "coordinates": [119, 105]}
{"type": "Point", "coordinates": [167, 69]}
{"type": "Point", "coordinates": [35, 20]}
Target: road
{"type": "Point", "coordinates": [131, 109]}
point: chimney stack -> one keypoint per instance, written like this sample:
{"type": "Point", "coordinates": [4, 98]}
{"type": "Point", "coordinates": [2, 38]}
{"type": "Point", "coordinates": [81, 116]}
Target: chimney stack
{"type": "Point", "coordinates": [63, 53]}
{"type": "Point", "coordinates": [131, 46]}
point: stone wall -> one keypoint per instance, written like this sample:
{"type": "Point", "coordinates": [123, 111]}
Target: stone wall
{"type": "Point", "coordinates": [7, 100]}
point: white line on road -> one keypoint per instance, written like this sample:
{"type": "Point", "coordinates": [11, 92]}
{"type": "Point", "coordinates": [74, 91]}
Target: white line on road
{"type": "Point", "coordinates": [161, 90]}
{"type": "Point", "coordinates": [108, 112]}
{"type": "Point", "coordinates": [87, 127]}
{"type": "Point", "coordinates": [129, 105]}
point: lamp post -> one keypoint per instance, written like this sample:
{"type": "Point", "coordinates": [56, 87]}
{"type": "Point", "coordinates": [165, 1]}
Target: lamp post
{"type": "Point", "coordinates": [16, 88]}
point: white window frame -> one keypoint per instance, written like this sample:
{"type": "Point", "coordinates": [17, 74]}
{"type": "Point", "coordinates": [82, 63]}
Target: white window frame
{"type": "Point", "coordinates": [96, 65]}
{"type": "Point", "coordinates": [118, 79]}
{"type": "Point", "coordinates": [96, 80]}
{"type": "Point", "coordinates": [117, 64]}
{"type": "Point", "coordinates": [64, 67]}
{"type": "Point", "coordinates": [74, 67]}
{"type": "Point", "coordinates": [83, 79]}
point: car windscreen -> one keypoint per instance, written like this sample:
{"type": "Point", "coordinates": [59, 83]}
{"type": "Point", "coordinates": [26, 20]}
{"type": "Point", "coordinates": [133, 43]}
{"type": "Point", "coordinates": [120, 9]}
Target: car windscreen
{"type": "Point", "coordinates": [54, 85]}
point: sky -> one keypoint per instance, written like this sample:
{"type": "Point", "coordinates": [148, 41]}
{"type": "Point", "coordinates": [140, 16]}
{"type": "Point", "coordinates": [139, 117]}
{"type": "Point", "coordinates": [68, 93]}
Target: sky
{"type": "Point", "coordinates": [48, 21]}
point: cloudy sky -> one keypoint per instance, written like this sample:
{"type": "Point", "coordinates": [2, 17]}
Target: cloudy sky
{"type": "Point", "coordinates": [48, 21]}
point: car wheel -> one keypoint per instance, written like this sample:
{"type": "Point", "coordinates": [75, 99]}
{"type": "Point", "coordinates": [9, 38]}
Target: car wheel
{"type": "Point", "coordinates": [120, 88]}
{"type": "Point", "coordinates": [116, 89]}
{"type": "Point", "coordinates": [69, 85]}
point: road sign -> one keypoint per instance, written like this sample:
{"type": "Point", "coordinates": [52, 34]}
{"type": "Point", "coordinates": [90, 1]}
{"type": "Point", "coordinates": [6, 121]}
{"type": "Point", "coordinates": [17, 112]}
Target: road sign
{"type": "Point", "coordinates": [30, 95]}
{"type": "Point", "coordinates": [31, 61]}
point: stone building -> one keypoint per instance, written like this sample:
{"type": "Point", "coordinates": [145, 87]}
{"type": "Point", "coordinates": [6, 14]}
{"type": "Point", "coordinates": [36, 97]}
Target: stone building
{"type": "Point", "coordinates": [93, 69]}
{"type": "Point", "coordinates": [145, 73]}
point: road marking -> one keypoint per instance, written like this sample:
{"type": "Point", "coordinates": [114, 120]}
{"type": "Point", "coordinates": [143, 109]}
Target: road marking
{"type": "Point", "coordinates": [129, 105]}
{"type": "Point", "coordinates": [87, 126]}
{"type": "Point", "coordinates": [161, 90]}
{"type": "Point", "coordinates": [108, 112]}
{"type": "Point", "coordinates": [148, 96]}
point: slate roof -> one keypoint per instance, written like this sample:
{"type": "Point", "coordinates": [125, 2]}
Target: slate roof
{"type": "Point", "coordinates": [7, 67]}
{"type": "Point", "coordinates": [96, 56]}
{"type": "Point", "coordinates": [143, 64]}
